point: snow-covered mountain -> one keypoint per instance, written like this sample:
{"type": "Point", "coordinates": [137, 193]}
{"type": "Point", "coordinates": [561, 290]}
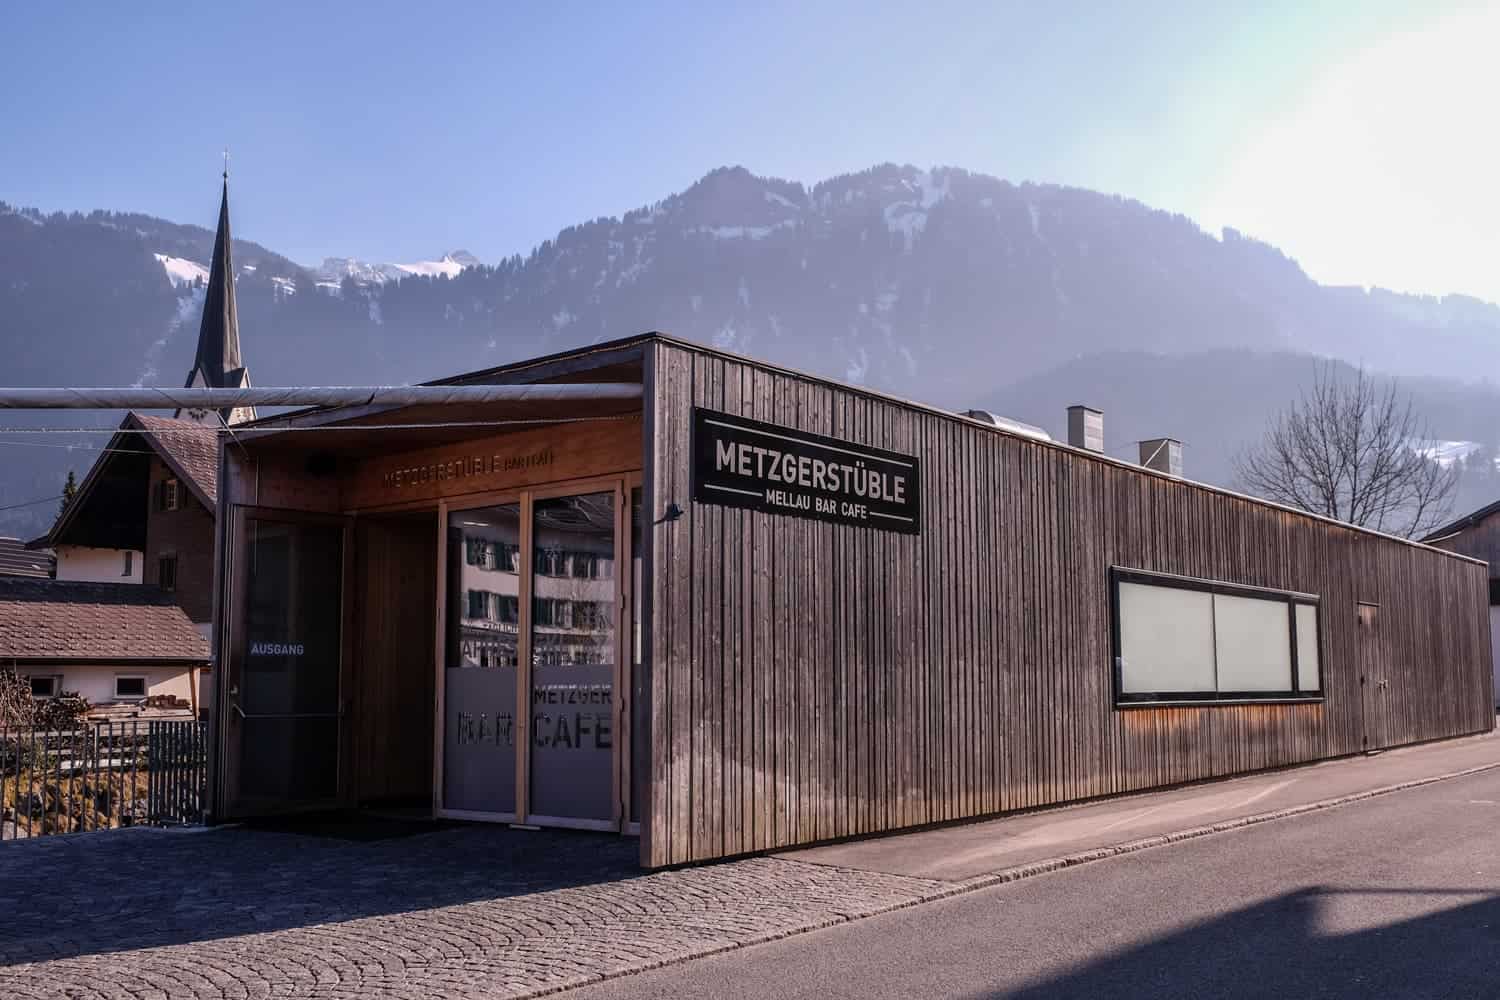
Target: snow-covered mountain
{"type": "Point", "coordinates": [941, 285]}
{"type": "Point", "coordinates": [334, 270]}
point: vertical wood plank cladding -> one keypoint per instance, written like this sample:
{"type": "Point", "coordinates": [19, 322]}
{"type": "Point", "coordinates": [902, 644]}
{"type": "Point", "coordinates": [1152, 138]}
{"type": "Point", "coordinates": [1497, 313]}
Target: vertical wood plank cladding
{"type": "Point", "coordinates": [395, 596]}
{"type": "Point", "coordinates": [811, 681]}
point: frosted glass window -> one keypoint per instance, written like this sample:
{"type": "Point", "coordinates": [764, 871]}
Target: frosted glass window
{"type": "Point", "coordinates": [1254, 644]}
{"type": "Point", "coordinates": [1308, 667]}
{"type": "Point", "coordinates": [1166, 639]}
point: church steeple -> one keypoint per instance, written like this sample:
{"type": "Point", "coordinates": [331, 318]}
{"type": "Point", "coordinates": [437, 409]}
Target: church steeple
{"type": "Point", "coordinates": [218, 364]}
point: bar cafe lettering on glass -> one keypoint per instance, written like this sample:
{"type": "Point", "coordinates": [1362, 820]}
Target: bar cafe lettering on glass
{"type": "Point", "coordinates": [750, 609]}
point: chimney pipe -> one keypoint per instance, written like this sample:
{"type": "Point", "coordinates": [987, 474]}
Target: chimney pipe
{"type": "Point", "coordinates": [1086, 428]}
{"type": "Point", "coordinates": [1163, 455]}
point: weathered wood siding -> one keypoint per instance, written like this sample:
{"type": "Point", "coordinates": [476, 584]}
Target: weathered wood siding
{"type": "Point", "coordinates": [811, 681]}
{"type": "Point", "coordinates": [1479, 541]}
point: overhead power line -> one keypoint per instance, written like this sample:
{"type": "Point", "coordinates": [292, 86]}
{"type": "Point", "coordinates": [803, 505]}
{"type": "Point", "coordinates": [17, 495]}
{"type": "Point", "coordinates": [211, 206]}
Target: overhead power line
{"type": "Point", "coordinates": [31, 503]}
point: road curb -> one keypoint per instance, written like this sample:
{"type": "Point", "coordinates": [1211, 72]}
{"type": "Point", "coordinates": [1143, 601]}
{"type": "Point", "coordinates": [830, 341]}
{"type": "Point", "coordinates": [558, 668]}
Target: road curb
{"type": "Point", "coordinates": [1238, 823]}
{"type": "Point", "coordinates": [1007, 875]}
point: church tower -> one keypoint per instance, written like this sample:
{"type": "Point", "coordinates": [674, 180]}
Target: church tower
{"type": "Point", "coordinates": [218, 364]}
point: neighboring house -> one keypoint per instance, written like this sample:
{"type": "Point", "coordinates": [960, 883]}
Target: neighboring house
{"type": "Point", "coordinates": [17, 560]}
{"type": "Point", "coordinates": [145, 514]}
{"type": "Point", "coordinates": [1478, 535]}
{"type": "Point", "coordinates": [115, 644]}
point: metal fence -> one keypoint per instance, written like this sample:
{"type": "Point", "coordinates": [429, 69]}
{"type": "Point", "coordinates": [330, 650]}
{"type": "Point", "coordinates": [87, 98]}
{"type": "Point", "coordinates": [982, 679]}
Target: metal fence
{"type": "Point", "coordinates": [101, 775]}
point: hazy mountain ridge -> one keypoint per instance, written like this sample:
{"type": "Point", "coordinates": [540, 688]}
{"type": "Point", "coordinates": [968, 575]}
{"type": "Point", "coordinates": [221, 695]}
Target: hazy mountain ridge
{"type": "Point", "coordinates": [940, 285]}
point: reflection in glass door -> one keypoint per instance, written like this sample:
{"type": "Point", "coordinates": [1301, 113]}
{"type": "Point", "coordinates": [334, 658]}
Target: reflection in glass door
{"type": "Point", "coordinates": [573, 652]}
{"type": "Point", "coordinates": [479, 676]}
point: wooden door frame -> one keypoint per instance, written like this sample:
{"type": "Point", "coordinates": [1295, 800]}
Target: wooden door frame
{"type": "Point", "coordinates": [234, 806]}
{"type": "Point", "coordinates": [620, 484]}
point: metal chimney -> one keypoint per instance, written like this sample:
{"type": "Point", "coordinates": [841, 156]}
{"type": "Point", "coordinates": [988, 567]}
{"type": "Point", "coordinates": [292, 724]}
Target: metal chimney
{"type": "Point", "coordinates": [1086, 428]}
{"type": "Point", "coordinates": [1163, 455]}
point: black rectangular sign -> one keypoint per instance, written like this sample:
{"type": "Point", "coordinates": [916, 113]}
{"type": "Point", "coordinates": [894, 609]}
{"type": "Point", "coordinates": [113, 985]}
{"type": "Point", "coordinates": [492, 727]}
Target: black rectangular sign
{"type": "Point", "coordinates": [738, 462]}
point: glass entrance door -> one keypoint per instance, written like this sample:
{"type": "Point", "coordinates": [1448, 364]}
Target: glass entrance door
{"type": "Point", "coordinates": [531, 721]}
{"type": "Point", "coordinates": [482, 661]}
{"type": "Point", "coordinates": [284, 711]}
{"type": "Point", "coordinates": [573, 658]}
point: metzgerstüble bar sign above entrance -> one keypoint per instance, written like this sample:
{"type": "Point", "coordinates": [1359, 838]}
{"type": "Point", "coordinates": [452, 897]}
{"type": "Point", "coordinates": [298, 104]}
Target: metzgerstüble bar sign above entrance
{"type": "Point", "coordinates": [738, 462]}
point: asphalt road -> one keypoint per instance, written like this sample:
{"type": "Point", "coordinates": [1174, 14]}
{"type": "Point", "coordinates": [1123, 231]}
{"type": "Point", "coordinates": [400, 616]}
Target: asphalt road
{"type": "Point", "coordinates": [1392, 897]}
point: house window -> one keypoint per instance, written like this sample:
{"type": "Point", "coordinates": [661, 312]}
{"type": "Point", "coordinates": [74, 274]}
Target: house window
{"type": "Point", "coordinates": [129, 563]}
{"type": "Point", "coordinates": [550, 562]}
{"type": "Point", "coordinates": [130, 687]}
{"type": "Point", "coordinates": [510, 608]}
{"type": "Point", "coordinates": [44, 687]}
{"type": "Point", "coordinates": [166, 573]}
{"type": "Point", "coordinates": [168, 494]}
{"type": "Point", "coordinates": [1185, 640]}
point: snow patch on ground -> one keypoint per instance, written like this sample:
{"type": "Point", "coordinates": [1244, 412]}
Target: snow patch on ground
{"type": "Point", "coordinates": [562, 318]}
{"type": "Point", "coordinates": [188, 307]}
{"type": "Point", "coordinates": [1035, 211]}
{"type": "Point", "coordinates": [284, 286]}
{"type": "Point", "coordinates": [738, 232]}
{"type": "Point", "coordinates": [375, 316]}
{"type": "Point", "coordinates": [908, 216]}
{"type": "Point", "coordinates": [907, 219]}
{"type": "Point", "coordinates": [744, 293]}
{"type": "Point", "coordinates": [181, 271]}
{"type": "Point", "coordinates": [642, 260]}
{"type": "Point", "coordinates": [932, 191]}
{"type": "Point", "coordinates": [1446, 453]}
{"type": "Point", "coordinates": [777, 199]}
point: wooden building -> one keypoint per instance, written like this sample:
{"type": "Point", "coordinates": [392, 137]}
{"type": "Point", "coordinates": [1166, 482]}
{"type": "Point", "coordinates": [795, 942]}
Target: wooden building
{"type": "Point", "coordinates": [1477, 535]}
{"type": "Point", "coordinates": [753, 609]}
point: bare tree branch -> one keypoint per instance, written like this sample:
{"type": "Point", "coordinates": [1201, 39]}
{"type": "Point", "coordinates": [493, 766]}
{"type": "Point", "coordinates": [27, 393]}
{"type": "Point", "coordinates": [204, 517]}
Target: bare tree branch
{"type": "Point", "coordinates": [1350, 449]}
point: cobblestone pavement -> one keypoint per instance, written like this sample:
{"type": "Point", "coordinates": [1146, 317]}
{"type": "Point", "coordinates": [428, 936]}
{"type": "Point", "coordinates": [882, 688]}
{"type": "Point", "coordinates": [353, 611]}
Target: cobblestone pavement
{"type": "Point", "coordinates": [470, 911]}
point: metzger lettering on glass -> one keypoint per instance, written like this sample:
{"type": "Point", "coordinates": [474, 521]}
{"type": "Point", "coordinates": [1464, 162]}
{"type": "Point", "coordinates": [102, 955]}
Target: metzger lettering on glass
{"type": "Point", "coordinates": [745, 463]}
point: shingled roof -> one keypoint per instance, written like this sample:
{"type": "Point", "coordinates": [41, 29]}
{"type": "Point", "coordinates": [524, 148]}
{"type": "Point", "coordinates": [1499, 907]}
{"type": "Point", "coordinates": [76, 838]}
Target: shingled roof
{"type": "Point", "coordinates": [17, 560]}
{"type": "Point", "coordinates": [190, 448]}
{"type": "Point", "coordinates": [63, 620]}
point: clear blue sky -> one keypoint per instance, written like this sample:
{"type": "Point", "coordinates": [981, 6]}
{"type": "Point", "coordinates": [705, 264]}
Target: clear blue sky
{"type": "Point", "coordinates": [395, 131]}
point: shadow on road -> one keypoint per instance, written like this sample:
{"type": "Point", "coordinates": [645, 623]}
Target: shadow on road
{"type": "Point", "coordinates": [1293, 946]}
{"type": "Point", "coordinates": [95, 893]}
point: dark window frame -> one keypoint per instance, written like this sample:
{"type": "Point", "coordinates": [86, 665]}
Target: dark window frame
{"type": "Point", "coordinates": [162, 581]}
{"type": "Point", "coordinates": [145, 687]}
{"type": "Point", "coordinates": [54, 683]}
{"type": "Point", "coordinates": [1153, 699]}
